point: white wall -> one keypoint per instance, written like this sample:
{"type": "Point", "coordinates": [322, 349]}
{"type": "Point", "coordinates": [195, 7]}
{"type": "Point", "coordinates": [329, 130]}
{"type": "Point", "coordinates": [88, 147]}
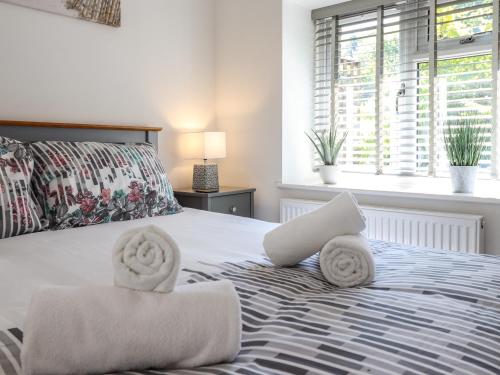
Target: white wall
{"type": "Point", "coordinates": [297, 91]}
{"type": "Point", "coordinates": [165, 66]}
{"type": "Point", "coordinates": [249, 96]}
{"type": "Point", "coordinates": [156, 69]}
{"type": "Point", "coordinates": [247, 52]}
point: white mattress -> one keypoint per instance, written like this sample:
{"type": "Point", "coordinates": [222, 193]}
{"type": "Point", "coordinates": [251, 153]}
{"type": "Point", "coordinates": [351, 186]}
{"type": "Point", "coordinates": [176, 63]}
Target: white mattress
{"type": "Point", "coordinates": [82, 256]}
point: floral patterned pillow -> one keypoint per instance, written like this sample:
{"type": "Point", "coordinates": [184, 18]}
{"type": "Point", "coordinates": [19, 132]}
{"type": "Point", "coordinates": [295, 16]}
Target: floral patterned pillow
{"type": "Point", "coordinates": [18, 211]}
{"type": "Point", "coordinates": [86, 183]}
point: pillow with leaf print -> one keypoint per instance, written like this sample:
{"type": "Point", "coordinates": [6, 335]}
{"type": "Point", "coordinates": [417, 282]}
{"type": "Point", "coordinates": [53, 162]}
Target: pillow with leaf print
{"type": "Point", "coordinates": [18, 211]}
{"type": "Point", "coordinates": [86, 183]}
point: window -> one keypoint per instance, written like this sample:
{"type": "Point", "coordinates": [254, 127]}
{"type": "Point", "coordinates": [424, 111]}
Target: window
{"type": "Point", "coordinates": [394, 75]}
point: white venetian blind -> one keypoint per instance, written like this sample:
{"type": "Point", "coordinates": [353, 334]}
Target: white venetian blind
{"type": "Point", "coordinates": [322, 73]}
{"type": "Point", "coordinates": [404, 95]}
{"type": "Point", "coordinates": [393, 76]}
{"type": "Point", "coordinates": [355, 91]}
{"type": "Point", "coordinates": [463, 86]}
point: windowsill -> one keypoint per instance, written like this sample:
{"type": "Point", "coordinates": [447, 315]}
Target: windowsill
{"type": "Point", "coordinates": [487, 191]}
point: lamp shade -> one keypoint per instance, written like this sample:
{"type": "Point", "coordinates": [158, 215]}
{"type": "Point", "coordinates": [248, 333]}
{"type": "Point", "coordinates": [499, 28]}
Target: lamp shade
{"type": "Point", "coordinates": [204, 145]}
{"type": "Point", "coordinates": [214, 145]}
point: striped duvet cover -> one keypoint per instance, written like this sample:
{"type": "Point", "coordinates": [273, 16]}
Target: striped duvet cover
{"type": "Point", "coordinates": [428, 312]}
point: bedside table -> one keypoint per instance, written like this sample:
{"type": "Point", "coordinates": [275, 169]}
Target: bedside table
{"type": "Point", "coordinates": [228, 200]}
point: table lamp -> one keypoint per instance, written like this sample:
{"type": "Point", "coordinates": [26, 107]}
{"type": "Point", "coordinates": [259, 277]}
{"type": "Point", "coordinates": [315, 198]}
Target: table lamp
{"type": "Point", "coordinates": [207, 146]}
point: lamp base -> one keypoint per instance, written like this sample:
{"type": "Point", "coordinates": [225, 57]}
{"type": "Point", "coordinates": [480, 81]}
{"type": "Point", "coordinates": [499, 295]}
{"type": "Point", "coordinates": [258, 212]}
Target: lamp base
{"type": "Point", "coordinates": [205, 178]}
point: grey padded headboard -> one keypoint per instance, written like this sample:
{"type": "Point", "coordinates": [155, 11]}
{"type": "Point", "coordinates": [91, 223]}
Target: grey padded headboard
{"type": "Point", "coordinates": [27, 131]}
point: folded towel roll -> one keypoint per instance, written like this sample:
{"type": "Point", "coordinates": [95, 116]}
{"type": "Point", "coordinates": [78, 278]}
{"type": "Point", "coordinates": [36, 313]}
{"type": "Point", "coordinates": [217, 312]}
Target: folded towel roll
{"type": "Point", "coordinates": [347, 261]}
{"type": "Point", "coordinates": [146, 259]}
{"type": "Point", "coordinates": [305, 235]}
{"type": "Point", "coordinates": [96, 330]}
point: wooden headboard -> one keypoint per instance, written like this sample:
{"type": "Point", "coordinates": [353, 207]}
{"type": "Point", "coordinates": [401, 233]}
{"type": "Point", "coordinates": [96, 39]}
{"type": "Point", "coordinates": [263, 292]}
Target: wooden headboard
{"type": "Point", "coordinates": [27, 131]}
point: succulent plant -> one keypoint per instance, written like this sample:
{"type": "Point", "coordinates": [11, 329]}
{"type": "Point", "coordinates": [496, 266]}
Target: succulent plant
{"type": "Point", "coordinates": [465, 140]}
{"type": "Point", "coordinates": [328, 144]}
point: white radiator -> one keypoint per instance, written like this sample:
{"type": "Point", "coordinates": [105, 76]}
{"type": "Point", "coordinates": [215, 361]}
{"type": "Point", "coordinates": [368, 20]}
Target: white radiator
{"type": "Point", "coordinates": [437, 230]}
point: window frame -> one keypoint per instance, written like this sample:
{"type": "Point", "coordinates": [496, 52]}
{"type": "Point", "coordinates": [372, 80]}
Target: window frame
{"type": "Point", "coordinates": [448, 49]}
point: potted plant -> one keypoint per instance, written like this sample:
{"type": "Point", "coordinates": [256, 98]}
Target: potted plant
{"type": "Point", "coordinates": [465, 141]}
{"type": "Point", "coordinates": [328, 144]}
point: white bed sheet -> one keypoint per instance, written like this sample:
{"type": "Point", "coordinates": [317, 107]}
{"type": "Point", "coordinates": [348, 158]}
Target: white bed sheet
{"type": "Point", "coordinates": [82, 256]}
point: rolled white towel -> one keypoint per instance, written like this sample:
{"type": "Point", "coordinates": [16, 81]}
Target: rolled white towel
{"type": "Point", "coordinates": [347, 261]}
{"type": "Point", "coordinates": [146, 259]}
{"type": "Point", "coordinates": [96, 330]}
{"type": "Point", "coordinates": [305, 235]}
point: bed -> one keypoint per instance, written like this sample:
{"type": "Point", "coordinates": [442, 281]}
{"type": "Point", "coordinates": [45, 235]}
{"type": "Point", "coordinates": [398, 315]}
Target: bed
{"type": "Point", "coordinates": [427, 312]}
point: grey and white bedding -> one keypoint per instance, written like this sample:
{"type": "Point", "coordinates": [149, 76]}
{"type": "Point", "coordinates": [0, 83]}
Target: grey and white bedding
{"type": "Point", "coordinates": [427, 312]}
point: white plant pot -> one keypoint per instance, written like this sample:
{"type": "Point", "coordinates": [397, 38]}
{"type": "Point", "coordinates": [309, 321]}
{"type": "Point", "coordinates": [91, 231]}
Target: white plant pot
{"type": "Point", "coordinates": [329, 174]}
{"type": "Point", "coordinates": [463, 179]}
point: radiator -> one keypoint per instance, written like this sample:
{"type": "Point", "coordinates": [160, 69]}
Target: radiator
{"type": "Point", "coordinates": [436, 230]}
